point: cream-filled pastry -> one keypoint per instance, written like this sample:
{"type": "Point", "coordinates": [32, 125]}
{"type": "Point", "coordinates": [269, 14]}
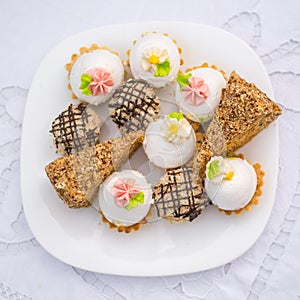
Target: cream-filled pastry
{"type": "Point", "coordinates": [230, 183]}
{"type": "Point", "coordinates": [198, 92]}
{"type": "Point", "coordinates": [95, 75]}
{"type": "Point", "coordinates": [170, 142]}
{"type": "Point", "coordinates": [125, 198]}
{"type": "Point", "coordinates": [155, 58]}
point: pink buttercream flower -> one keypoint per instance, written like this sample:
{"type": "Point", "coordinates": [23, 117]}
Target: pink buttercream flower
{"type": "Point", "coordinates": [123, 190]}
{"type": "Point", "coordinates": [196, 92]}
{"type": "Point", "coordinates": [102, 81]}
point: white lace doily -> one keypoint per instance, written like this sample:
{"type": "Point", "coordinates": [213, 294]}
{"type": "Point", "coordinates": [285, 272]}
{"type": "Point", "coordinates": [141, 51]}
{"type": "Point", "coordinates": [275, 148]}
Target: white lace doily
{"type": "Point", "coordinates": [269, 270]}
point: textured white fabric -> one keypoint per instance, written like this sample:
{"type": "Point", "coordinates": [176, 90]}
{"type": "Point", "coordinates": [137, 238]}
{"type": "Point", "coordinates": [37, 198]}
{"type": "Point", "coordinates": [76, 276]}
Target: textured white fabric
{"type": "Point", "coordinates": [269, 270]}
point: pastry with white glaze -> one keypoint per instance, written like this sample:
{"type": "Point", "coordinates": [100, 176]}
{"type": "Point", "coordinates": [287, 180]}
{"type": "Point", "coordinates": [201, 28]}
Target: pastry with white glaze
{"type": "Point", "coordinates": [95, 74]}
{"type": "Point", "coordinates": [198, 92]}
{"type": "Point", "coordinates": [155, 58]}
{"type": "Point", "coordinates": [232, 183]}
{"type": "Point", "coordinates": [170, 142]}
{"type": "Point", "coordinates": [125, 198]}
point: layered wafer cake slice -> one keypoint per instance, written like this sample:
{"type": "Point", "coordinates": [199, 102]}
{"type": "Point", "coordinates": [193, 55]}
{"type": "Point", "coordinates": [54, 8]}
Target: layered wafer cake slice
{"type": "Point", "coordinates": [242, 113]}
{"type": "Point", "coordinates": [134, 105]}
{"type": "Point", "coordinates": [179, 195]}
{"type": "Point", "coordinates": [77, 177]}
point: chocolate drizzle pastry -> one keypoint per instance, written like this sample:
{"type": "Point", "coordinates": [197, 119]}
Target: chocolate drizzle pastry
{"type": "Point", "coordinates": [134, 105]}
{"type": "Point", "coordinates": [179, 195]}
{"type": "Point", "coordinates": [76, 128]}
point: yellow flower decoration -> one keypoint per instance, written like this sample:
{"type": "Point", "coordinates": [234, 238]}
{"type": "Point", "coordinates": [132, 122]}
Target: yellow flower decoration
{"type": "Point", "coordinates": [175, 129]}
{"type": "Point", "coordinates": [153, 57]}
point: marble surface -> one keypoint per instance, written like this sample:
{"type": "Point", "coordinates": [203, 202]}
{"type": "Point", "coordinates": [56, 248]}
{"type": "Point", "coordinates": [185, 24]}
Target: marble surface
{"type": "Point", "coordinates": [269, 270]}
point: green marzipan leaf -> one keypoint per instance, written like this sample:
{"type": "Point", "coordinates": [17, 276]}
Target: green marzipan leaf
{"type": "Point", "coordinates": [134, 202]}
{"type": "Point", "coordinates": [86, 91]}
{"type": "Point", "coordinates": [86, 79]}
{"type": "Point", "coordinates": [183, 79]}
{"type": "Point", "coordinates": [163, 69]}
{"type": "Point", "coordinates": [213, 169]}
{"type": "Point", "coordinates": [175, 115]}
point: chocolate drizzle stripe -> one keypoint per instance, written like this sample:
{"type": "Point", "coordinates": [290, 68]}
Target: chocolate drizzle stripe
{"type": "Point", "coordinates": [135, 105]}
{"type": "Point", "coordinates": [178, 197]}
{"type": "Point", "coordinates": [66, 129]}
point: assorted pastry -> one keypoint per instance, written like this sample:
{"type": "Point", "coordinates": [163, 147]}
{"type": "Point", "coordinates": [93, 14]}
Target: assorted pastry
{"type": "Point", "coordinates": [155, 58]}
{"type": "Point", "coordinates": [125, 199]}
{"type": "Point", "coordinates": [94, 74]}
{"type": "Point", "coordinates": [232, 183]}
{"type": "Point", "coordinates": [76, 128]}
{"type": "Point", "coordinates": [200, 166]}
{"type": "Point", "coordinates": [179, 195]}
{"type": "Point", "coordinates": [198, 92]}
{"type": "Point", "coordinates": [170, 142]}
{"type": "Point", "coordinates": [134, 105]}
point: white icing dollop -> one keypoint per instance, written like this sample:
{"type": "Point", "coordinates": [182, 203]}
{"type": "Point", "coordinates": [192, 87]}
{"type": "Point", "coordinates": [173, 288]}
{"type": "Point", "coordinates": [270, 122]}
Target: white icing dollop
{"type": "Point", "coordinates": [164, 153]}
{"type": "Point", "coordinates": [237, 190]}
{"type": "Point", "coordinates": [215, 82]}
{"type": "Point", "coordinates": [96, 59]}
{"type": "Point", "coordinates": [161, 45]}
{"type": "Point", "coordinates": [118, 215]}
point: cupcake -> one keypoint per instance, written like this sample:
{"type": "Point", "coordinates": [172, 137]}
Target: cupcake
{"type": "Point", "coordinates": [170, 142]}
{"type": "Point", "coordinates": [125, 199]}
{"type": "Point", "coordinates": [75, 128]}
{"type": "Point", "coordinates": [155, 58]}
{"type": "Point", "coordinates": [232, 183]}
{"type": "Point", "coordinates": [94, 74]}
{"type": "Point", "coordinates": [134, 105]}
{"type": "Point", "coordinates": [198, 92]}
{"type": "Point", "coordinates": [179, 195]}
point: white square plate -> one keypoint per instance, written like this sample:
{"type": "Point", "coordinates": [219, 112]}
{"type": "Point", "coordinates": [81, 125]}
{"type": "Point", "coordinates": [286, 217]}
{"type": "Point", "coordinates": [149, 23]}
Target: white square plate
{"type": "Point", "coordinates": [77, 237]}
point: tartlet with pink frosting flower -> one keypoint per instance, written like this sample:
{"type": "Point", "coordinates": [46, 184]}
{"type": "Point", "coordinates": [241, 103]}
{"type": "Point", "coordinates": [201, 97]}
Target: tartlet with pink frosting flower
{"type": "Point", "coordinates": [94, 74]}
{"type": "Point", "coordinates": [198, 92]}
{"type": "Point", "coordinates": [125, 199]}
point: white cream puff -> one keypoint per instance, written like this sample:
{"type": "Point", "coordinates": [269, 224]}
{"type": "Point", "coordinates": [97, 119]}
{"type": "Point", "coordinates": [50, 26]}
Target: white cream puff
{"type": "Point", "coordinates": [155, 58]}
{"type": "Point", "coordinates": [170, 142]}
{"type": "Point", "coordinates": [198, 92]}
{"type": "Point", "coordinates": [95, 74]}
{"type": "Point", "coordinates": [230, 183]}
{"type": "Point", "coordinates": [125, 198]}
